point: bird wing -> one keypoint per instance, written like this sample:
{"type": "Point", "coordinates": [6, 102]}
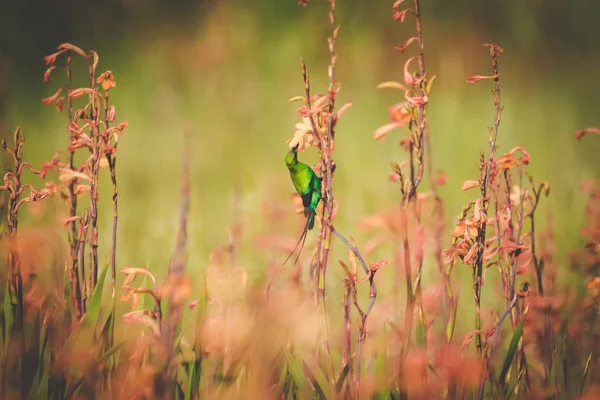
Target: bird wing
{"type": "Point", "coordinates": [316, 192]}
{"type": "Point", "coordinates": [307, 199]}
{"type": "Point", "coordinates": [303, 180]}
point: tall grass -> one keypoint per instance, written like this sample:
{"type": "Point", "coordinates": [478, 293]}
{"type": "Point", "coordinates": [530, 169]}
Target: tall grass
{"type": "Point", "coordinates": [393, 319]}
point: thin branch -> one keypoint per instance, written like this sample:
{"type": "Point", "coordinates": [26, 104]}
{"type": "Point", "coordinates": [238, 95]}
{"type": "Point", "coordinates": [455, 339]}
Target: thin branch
{"type": "Point", "coordinates": [362, 333]}
{"type": "Point", "coordinates": [74, 277]}
{"type": "Point", "coordinates": [422, 120]}
{"type": "Point", "coordinates": [480, 240]}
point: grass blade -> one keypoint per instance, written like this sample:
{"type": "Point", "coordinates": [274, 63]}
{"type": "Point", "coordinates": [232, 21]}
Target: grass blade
{"type": "Point", "coordinates": [295, 369]}
{"type": "Point", "coordinates": [585, 373]}
{"type": "Point", "coordinates": [512, 350]}
{"type": "Point", "coordinates": [343, 375]}
{"type": "Point", "coordinates": [93, 309]}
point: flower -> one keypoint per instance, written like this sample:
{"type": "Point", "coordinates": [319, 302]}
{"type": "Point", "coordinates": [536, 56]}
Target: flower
{"type": "Point", "coordinates": [304, 136]}
{"type": "Point", "coordinates": [465, 228]}
{"type": "Point", "coordinates": [107, 80]}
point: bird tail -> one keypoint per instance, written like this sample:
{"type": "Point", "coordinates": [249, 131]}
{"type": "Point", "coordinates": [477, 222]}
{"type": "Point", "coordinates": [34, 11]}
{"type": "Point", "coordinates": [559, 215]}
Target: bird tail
{"type": "Point", "coordinates": [310, 218]}
{"type": "Point", "coordinates": [310, 223]}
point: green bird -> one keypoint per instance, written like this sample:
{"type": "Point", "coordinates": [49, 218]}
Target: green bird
{"type": "Point", "coordinates": [308, 186]}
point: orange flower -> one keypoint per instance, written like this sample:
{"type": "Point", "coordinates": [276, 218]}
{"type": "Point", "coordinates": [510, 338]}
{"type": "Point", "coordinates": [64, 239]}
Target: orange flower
{"type": "Point", "coordinates": [593, 285]}
{"type": "Point", "coordinates": [107, 80]}
{"type": "Point", "coordinates": [507, 161]}
{"type": "Point", "coordinates": [48, 73]}
{"type": "Point", "coordinates": [466, 228]}
{"type": "Point", "coordinates": [304, 136]}
{"type": "Point", "coordinates": [479, 214]}
{"type": "Point", "coordinates": [51, 59]}
{"type": "Point", "coordinates": [409, 78]}
{"type": "Point", "coordinates": [52, 99]}
{"type": "Point", "coordinates": [400, 113]}
{"type": "Point", "coordinates": [452, 254]}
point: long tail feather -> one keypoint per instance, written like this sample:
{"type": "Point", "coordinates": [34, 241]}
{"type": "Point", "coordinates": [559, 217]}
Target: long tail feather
{"type": "Point", "coordinates": [310, 219]}
{"type": "Point", "coordinates": [310, 222]}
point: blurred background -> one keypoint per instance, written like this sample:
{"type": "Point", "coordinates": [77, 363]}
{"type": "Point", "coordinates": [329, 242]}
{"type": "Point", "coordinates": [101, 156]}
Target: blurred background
{"type": "Point", "coordinates": [228, 69]}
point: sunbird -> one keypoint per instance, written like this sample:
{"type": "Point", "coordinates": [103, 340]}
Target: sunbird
{"type": "Point", "coordinates": [308, 186]}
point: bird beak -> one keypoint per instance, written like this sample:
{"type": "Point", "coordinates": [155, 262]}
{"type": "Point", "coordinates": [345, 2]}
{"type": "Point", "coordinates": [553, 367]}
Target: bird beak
{"type": "Point", "coordinates": [295, 148]}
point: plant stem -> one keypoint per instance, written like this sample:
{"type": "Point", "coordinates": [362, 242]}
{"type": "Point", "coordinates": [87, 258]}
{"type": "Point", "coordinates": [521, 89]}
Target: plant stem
{"type": "Point", "coordinates": [480, 240]}
{"type": "Point", "coordinates": [72, 197]}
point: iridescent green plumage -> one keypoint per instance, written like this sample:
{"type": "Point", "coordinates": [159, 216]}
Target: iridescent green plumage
{"type": "Point", "coordinates": [308, 186]}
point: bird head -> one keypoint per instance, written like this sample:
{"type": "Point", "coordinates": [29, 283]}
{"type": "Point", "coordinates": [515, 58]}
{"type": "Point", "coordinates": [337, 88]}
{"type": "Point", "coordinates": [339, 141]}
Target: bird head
{"type": "Point", "coordinates": [291, 157]}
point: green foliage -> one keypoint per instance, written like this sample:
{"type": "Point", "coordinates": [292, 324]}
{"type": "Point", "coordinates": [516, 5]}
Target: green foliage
{"type": "Point", "coordinates": [511, 352]}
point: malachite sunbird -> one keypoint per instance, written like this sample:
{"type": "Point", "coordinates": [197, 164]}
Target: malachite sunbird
{"type": "Point", "coordinates": [308, 186]}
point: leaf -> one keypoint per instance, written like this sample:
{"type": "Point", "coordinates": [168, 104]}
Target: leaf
{"type": "Point", "coordinates": [67, 295]}
{"type": "Point", "coordinates": [193, 384]}
{"type": "Point", "coordinates": [451, 322]}
{"type": "Point", "coordinates": [30, 360]}
{"type": "Point", "coordinates": [48, 385]}
{"type": "Point", "coordinates": [7, 320]}
{"type": "Point", "coordinates": [106, 329]}
{"type": "Point", "coordinates": [420, 332]}
{"type": "Point", "coordinates": [44, 345]}
{"type": "Point", "coordinates": [289, 388]}
{"type": "Point", "coordinates": [188, 385]}
{"type": "Point", "coordinates": [513, 386]}
{"type": "Point", "coordinates": [317, 378]}
{"type": "Point", "coordinates": [42, 391]}
{"type": "Point", "coordinates": [429, 84]}
{"type": "Point", "coordinates": [93, 307]}
{"type": "Point", "coordinates": [340, 382]}
{"type": "Point", "coordinates": [512, 349]}
{"type": "Point", "coordinates": [111, 351]}
{"type": "Point", "coordinates": [585, 373]}
{"type": "Point", "coordinates": [76, 386]}
{"type": "Point", "coordinates": [557, 355]}
{"type": "Point", "coordinates": [295, 370]}
{"type": "Point", "coordinates": [348, 273]}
